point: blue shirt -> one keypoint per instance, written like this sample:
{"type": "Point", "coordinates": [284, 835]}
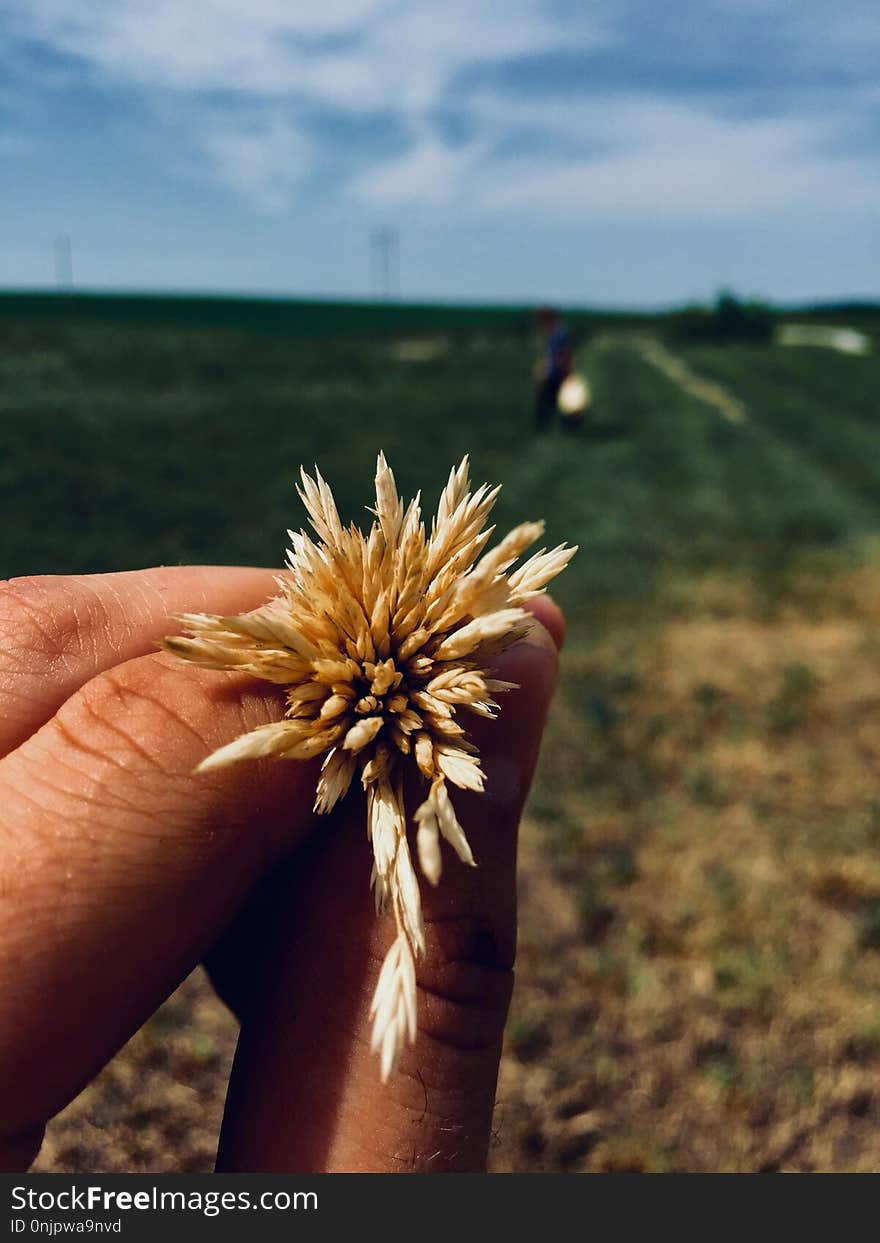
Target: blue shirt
{"type": "Point", "coordinates": [558, 348]}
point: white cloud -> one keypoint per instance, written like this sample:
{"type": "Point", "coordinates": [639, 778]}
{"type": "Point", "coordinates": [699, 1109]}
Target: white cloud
{"type": "Point", "coordinates": [397, 58]}
{"type": "Point", "coordinates": [638, 157]}
{"type": "Point", "coordinates": [634, 156]}
{"type": "Point", "coordinates": [191, 45]}
{"type": "Point", "coordinates": [12, 144]}
{"type": "Point", "coordinates": [671, 161]}
{"type": "Point", "coordinates": [754, 174]}
{"type": "Point", "coordinates": [372, 54]}
{"type": "Point", "coordinates": [263, 158]}
{"type": "Point", "coordinates": [430, 173]}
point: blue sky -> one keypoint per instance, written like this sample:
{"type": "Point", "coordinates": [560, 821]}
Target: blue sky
{"type": "Point", "coordinates": [615, 152]}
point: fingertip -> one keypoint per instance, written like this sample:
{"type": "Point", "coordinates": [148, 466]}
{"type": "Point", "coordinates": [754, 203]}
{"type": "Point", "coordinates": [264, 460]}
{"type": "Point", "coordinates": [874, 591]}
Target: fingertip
{"type": "Point", "coordinates": [550, 615]}
{"type": "Point", "coordinates": [509, 745]}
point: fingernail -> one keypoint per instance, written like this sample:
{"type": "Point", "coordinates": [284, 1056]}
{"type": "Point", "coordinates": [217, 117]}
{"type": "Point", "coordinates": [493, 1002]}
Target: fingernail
{"type": "Point", "coordinates": [538, 635]}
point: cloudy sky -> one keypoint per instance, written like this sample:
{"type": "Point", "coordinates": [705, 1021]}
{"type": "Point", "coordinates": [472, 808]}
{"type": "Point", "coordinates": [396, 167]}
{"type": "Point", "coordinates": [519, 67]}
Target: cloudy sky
{"type": "Point", "coordinates": [589, 151]}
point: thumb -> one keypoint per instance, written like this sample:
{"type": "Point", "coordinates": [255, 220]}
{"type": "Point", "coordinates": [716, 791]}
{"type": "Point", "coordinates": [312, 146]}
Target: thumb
{"type": "Point", "coordinates": [305, 1093]}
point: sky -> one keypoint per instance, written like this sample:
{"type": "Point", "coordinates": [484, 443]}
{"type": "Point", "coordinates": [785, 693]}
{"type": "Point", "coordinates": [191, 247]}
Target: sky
{"type": "Point", "coordinates": [588, 152]}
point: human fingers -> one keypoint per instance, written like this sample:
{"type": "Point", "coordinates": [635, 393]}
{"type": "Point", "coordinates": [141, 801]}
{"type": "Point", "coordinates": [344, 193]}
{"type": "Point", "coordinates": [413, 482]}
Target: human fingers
{"type": "Point", "coordinates": [58, 631]}
{"type": "Point", "coordinates": [119, 868]}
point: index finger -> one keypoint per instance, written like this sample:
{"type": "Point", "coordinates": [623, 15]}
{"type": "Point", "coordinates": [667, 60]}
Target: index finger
{"type": "Point", "coordinates": [119, 869]}
{"type": "Point", "coordinates": [59, 631]}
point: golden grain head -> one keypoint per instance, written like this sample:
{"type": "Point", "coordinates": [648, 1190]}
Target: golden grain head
{"type": "Point", "coordinates": [382, 640]}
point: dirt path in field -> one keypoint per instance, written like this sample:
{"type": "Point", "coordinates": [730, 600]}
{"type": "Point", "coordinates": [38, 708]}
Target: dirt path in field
{"type": "Point", "coordinates": [712, 394]}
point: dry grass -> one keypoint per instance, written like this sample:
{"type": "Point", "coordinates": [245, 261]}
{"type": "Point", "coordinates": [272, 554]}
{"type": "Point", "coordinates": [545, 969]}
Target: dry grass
{"type": "Point", "coordinates": [157, 1107]}
{"type": "Point", "coordinates": [699, 977]}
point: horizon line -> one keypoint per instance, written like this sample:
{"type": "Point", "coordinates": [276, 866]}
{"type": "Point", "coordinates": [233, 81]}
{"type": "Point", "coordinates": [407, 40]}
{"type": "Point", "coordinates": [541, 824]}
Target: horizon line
{"type": "Point", "coordinates": [366, 300]}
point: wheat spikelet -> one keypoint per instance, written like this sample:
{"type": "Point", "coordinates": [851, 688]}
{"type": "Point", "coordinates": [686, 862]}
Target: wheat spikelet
{"type": "Point", "coordinates": [381, 640]}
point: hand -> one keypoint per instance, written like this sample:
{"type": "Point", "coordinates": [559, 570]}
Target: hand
{"type": "Point", "coordinates": [120, 870]}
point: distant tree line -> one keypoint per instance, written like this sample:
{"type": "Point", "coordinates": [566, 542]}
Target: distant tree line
{"type": "Point", "coordinates": [729, 320]}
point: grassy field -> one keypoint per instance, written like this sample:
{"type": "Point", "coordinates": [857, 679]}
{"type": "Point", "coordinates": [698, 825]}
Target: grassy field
{"type": "Point", "coordinates": [700, 961]}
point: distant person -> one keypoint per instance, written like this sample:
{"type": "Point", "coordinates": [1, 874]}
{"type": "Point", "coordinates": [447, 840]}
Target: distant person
{"type": "Point", "coordinates": [556, 364]}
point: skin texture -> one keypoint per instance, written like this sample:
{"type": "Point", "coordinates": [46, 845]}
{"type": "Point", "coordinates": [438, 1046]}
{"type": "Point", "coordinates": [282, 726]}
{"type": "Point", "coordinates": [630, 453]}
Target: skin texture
{"type": "Point", "coordinates": [120, 871]}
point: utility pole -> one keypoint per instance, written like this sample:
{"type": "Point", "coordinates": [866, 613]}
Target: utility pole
{"type": "Point", "coordinates": [385, 253]}
{"type": "Point", "coordinates": [63, 263]}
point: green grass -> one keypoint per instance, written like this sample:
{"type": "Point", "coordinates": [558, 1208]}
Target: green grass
{"type": "Point", "coordinates": [129, 443]}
